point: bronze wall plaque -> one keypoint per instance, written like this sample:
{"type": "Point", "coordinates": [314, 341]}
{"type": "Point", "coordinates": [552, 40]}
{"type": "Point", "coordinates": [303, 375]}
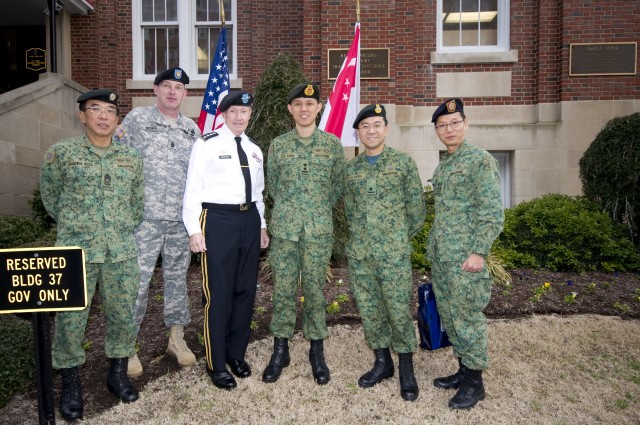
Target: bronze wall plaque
{"type": "Point", "coordinates": [374, 63]}
{"type": "Point", "coordinates": [602, 58]}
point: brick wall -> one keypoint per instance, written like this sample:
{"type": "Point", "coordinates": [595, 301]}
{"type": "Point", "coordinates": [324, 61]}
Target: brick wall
{"type": "Point", "coordinates": [541, 31]}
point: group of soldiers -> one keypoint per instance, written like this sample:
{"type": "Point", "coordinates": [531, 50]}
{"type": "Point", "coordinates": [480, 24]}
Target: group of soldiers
{"type": "Point", "coordinates": [154, 186]}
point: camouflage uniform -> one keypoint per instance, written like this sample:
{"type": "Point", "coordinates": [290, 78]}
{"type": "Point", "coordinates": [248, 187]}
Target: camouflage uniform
{"type": "Point", "coordinates": [384, 207]}
{"type": "Point", "coordinates": [305, 180]}
{"type": "Point", "coordinates": [165, 148]}
{"type": "Point", "coordinates": [97, 201]}
{"type": "Point", "coordinates": [468, 218]}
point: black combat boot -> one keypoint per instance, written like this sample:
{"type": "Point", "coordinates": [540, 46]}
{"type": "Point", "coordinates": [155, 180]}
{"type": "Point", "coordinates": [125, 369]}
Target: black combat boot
{"type": "Point", "coordinates": [451, 381]}
{"type": "Point", "coordinates": [318, 366]}
{"type": "Point", "coordinates": [71, 406]}
{"type": "Point", "coordinates": [279, 360]}
{"type": "Point", "coordinates": [471, 390]}
{"type": "Point", "coordinates": [382, 369]}
{"type": "Point", "coordinates": [408, 385]}
{"type": "Point", "coordinates": [118, 381]}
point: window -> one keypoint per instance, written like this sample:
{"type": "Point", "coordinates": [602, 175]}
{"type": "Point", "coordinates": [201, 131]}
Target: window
{"type": "Point", "coordinates": [473, 25]}
{"type": "Point", "coordinates": [165, 35]}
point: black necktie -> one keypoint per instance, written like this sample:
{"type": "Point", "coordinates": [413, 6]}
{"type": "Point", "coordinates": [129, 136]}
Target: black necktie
{"type": "Point", "coordinates": [244, 166]}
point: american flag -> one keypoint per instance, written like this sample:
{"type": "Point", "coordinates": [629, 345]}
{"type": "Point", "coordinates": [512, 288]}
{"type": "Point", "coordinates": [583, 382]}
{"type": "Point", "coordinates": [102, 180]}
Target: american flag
{"type": "Point", "coordinates": [217, 87]}
{"type": "Point", "coordinates": [344, 102]}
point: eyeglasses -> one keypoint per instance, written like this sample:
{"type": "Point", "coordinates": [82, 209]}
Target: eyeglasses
{"type": "Point", "coordinates": [376, 126]}
{"type": "Point", "coordinates": [443, 127]}
{"type": "Point", "coordinates": [97, 111]}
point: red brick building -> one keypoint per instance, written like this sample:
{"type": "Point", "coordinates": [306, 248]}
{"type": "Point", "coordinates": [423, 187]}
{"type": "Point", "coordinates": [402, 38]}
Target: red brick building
{"type": "Point", "coordinates": [508, 60]}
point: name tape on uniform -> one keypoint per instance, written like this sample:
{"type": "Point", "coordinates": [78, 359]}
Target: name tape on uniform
{"type": "Point", "coordinates": [42, 279]}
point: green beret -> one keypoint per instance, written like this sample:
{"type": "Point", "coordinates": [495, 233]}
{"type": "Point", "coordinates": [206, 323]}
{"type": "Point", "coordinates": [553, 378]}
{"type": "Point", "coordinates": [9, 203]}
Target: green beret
{"type": "Point", "coordinates": [450, 106]}
{"type": "Point", "coordinates": [104, 95]}
{"type": "Point", "coordinates": [235, 98]}
{"type": "Point", "coordinates": [375, 110]}
{"type": "Point", "coordinates": [307, 90]}
{"type": "Point", "coordinates": [174, 74]}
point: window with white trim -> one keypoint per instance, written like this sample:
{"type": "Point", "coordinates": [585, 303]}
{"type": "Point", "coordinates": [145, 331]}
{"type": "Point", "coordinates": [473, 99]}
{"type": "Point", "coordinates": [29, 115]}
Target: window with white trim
{"type": "Point", "coordinates": [184, 33]}
{"type": "Point", "coordinates": [473, 26]}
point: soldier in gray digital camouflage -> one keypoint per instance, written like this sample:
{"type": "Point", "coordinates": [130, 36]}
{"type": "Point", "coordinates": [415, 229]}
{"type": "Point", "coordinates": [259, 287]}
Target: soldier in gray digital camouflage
{"type": "Point", "coordinates": [94, 190]}
{"type": "Point", "coordinates": [385, 207]}
{"type": "Point", "coordinates": [468, 218]}
{"type": "Point", "coordinates": [305, 174]}
{"type": "Point", "coordinates": [164, 137]}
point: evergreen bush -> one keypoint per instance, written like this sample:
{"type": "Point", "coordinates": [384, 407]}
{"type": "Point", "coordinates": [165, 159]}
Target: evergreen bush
{"type": "Point", "coordinates": [561, 233]}
{"type": "Point", "coordinates": [18, 231]}
{"type": "Point", "coordinates": [17, 363]}
{"type": "Point", "coordinates": [610, 172]}
{"type": "Point", "coordinates": [271, 118]}
{"type": "Point", "coordinates": [38, 211]}
{"type": "Point", "coordinates": [419, 242]}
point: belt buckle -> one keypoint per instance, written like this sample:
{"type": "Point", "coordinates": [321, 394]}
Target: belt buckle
{"type": "Point", "coordinates": [244, 207]}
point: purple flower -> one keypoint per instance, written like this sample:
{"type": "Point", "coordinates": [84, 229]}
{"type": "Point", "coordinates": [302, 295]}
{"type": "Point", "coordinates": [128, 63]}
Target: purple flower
{"type": "Point", "coordinates": [569, 282]}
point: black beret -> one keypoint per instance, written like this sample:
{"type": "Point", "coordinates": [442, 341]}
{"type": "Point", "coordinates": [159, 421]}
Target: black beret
{"type": "Point", "coordinates": [105, 95]}
{"type": "Point", "coordinates": [307, 90]}
{"type": "Point", "coordinates": [175, 74]}
{"type": "Point", "coordinates": [235, 98]}
{"type": "Point", "coordinates": [450, 106]}
{"type": "Point", "coordinates": [375, 110]}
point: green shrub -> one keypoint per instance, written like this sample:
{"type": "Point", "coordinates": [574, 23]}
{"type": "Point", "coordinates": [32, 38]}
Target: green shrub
{"type": "Point", "coordinates": [419, 242]}
{"type": "Point", "coordinates": [18, 231]}
{"type": "Point", "coordinates": [38, 211]}
{"type": "Point", "coordinates": [17, 364]}
{"type": "Point", "coordinates": [610, 172]}
{"type": "Point", "coordinates": [340, 235]}
{"type": "Point", "coordinates": [557, 232]}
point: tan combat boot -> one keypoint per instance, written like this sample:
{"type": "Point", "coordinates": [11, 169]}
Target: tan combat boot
{"type": "Point", "coordinates": [134, 367]}
{"type": "Point", "coordinates": [178, 348]}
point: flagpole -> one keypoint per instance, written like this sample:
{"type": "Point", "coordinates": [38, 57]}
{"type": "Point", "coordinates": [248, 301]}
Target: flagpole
{"type": "Point", "coordinates": [356, 151]}
{"type": "Point", "coordinates": [221, 6]}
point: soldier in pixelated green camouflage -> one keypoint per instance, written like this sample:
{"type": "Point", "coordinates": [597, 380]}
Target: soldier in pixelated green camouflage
{"type": "Point", "coordinates": [305, 174]}
{"type": "Point", "coordinates": [94, 190]}
{"type": "Point", "coordinates": [468, 218]}
{"type": "Point", "coordinates": [385, 207]}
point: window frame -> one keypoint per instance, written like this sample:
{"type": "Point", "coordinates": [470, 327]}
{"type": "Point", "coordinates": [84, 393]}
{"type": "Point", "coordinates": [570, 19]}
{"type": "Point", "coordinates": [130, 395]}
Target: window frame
{"type": "Point", "coordinates": [503, 33]}
{"type": "Point", "coordinates": [188, 33]}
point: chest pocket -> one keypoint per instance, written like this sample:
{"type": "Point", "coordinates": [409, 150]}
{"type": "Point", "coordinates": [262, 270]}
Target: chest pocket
{"type": "Point", "coordinates": [459, 184]}
{"type": "Point", "coordinates": [320, 168]}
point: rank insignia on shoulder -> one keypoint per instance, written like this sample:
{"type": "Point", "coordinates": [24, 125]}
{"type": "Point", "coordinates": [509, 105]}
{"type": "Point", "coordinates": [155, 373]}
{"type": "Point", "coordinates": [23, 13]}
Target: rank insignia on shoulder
{"type": "Point", "coordinates": [120, 131]}
{"type": "Point", "coordinates": [50, 156]}
{"type": "Point", "coordinates": [208, 136]}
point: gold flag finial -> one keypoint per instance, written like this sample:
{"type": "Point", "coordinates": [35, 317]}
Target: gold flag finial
{"type": "Point", "coordinates": [357, 10]}
{"type": "Point", "coordinates": [221, 5]}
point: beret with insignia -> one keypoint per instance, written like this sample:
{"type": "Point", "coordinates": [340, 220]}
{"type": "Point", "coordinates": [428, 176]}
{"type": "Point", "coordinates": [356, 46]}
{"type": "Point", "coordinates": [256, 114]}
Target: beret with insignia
{"type": "Point", "coordinates": [174, 74]}
{"type": "Point", "coordinates": [235, 98]}
{"type": "Point", "coordinates": [375, 110]}
{"type": "Point", "coordinates": [104, 95]}
{"type": "Point", "coordinates": [307, 90]}
{"type": "Point", "coordinates": [450, 106]}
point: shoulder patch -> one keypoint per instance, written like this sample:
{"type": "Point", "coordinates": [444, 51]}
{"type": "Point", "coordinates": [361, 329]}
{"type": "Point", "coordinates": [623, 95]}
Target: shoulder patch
{"type": "Point", "coordinates": [50, 156]}
{"type": "Point", "coordinates": [208, 136]}
{"type": "Point", "coordinates": [120, 131]}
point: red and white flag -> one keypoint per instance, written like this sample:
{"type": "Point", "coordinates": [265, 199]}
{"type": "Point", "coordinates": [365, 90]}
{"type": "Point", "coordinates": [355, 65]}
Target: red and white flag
{"type": "Point", "coordinates": [344, 102]}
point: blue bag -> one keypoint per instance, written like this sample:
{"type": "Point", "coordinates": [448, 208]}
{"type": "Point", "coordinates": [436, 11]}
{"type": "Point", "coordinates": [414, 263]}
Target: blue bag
{"type": "Point", "coordinates": [432, 334]}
